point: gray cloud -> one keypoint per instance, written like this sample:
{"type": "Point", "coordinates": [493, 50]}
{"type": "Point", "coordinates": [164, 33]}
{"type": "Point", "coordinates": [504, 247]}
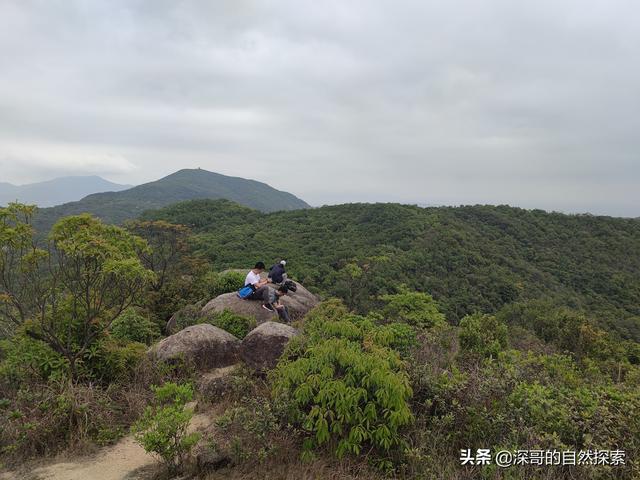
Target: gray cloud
{"type": "Point", "coordinates": [527, 103]}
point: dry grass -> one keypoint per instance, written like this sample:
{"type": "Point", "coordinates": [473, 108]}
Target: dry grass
{"type": "Point", "coordinates": [290, 467]}
{"type": "Point", "coordinates": [51, 418]}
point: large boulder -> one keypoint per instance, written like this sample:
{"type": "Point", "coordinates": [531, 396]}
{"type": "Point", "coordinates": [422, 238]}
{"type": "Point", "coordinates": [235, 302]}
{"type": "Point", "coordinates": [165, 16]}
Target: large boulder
{"type": "Point", "coordinates": [264, 345]}
{"type": "Point", "coordinates": [204, 346]}
{"type": "Point", "coordinates": [298, 303]}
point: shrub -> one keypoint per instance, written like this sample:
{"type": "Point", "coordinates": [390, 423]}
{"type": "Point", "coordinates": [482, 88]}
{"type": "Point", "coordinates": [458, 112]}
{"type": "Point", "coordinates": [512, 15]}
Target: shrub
{"type": "Point", "coordinates": [397, 336]}
{"type": "Point", "coordinates": [483, 335]}
{"type": "Point", "coordinates": [344, 388]}
{"type": "Point", "coordinates": [106, 360]}
{"type": "Point", "coordinates": [219, 283]}
{"type": "Point", "coordinates": [134, 327]}
{"type": "Point", "coordinates": [44, 418]}
{"type": "Point", "coordinates": [163, 427]}
{"type": "Point", "coordinates": [333, 320]}
{"type": "Point", "coordinates": [235, 324]}
{"type": "Point", "coordinates": [248, 428]}
{"type": "Point", "coordinates": [347, 395]}
{"type": "Point", "coordinates": [415, 308]}
{"type": "Point", "coordinates": [188, 316]}
{"type": "Point", "coordinates": [110, 360]}
{"type": "Point", "coordinates": [26, 358]}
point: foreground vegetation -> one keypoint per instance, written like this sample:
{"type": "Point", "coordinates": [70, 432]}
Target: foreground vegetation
{"type": "Point", "coordinates": [405, 400]}
{"type": "Point", "coordinates": [442, 330]}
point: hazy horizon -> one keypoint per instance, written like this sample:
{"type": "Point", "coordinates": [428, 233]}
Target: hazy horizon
{"type": "Point", "coordinates": [531, 104]}
{"type": "Point", "coordinates": [417, 203]}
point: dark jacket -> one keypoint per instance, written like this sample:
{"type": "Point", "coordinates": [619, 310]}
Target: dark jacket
{"type": "Point", "coordinates": [276, 272]}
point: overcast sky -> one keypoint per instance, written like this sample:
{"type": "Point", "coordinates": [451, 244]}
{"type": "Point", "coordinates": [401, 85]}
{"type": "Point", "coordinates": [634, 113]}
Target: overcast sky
{"type": "Point", "coordinates": [528, 103]}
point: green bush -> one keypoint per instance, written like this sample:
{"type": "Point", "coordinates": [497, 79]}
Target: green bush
{"type": "Point", "coordinates": [333, 320]}
{"type": "Point", "coordinates": [109, 360]}
{"type": "Point", "coordinates": [248, 427]}
{"type": "Point", "coordinates": [483, 335]}
{"type": "Point", "coordinates": [522, 400]}
{"type": "Point", "coordinates": [106, 360]}
{"type": "Point", "coordinates": [397, 336]}
{"type": "Point", "coordinates": [226, 282]}
{"type": "Point", "coordinates": [134, 327]}
{"type": "Point", "coordinates": [188, 316]}
{"type": "Point", "coordinates": [163, 427]}
{"type": "Point", "coordinates": [346, 390]}
{"type": "Point", "coordinates": [25, 358]}
{"type": "Point", "coordinates": [235, 324]}
{"type": "Point", "coordinates": [415, 308]}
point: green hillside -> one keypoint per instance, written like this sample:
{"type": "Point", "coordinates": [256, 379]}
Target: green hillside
{"type": "Point", "coordinates": [187, 184]}
{"type": "Point", "coordinates": [475, 258]}
{"type": "Point", "coordinates": [453, 328]}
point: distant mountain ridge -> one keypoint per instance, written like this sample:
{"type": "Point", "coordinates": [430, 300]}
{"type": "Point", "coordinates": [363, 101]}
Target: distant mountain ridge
{"type": "Point", "coordinates": [57, 191]}
{"type": "Point", "coordinates": [187, 184]}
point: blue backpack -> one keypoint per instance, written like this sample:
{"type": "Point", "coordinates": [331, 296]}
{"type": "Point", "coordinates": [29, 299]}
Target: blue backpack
{"type": "Point", "coordinates": [245, 291]}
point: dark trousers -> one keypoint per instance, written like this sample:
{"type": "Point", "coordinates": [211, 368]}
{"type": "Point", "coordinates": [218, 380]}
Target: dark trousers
{"type": "Point", "coordinates": [261, 293]}
{"type": "Point", "coordinates": [283, 314]}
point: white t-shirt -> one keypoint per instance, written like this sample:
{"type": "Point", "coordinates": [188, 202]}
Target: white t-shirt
{"type": "Point", "coordinates": [252, 278]}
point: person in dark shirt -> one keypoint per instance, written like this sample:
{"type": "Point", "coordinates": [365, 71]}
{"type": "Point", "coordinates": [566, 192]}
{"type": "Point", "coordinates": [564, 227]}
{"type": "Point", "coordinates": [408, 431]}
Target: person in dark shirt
{"type": "Point", "coordinates": [272, 302]}
{"type": "Point", "coordinates": [277, 273]}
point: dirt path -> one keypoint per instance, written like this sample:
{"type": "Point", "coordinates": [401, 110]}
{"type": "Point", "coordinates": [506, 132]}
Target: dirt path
{"type": "Point", "coordinates": [114, 463]}
{"type": "Point", "coordinates": [126, 460]}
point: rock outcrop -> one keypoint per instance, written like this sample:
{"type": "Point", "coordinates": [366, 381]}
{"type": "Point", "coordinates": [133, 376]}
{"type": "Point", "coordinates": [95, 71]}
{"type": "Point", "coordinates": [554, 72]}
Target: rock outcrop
{"type": "Point", "coordinates": [216, 384]}
{"type": "Point", "coordinates": [298, 303]}
{"type": "Point", "coordinates": [264, 345]}
{"type": "Point", "coordinates": [204, 346]}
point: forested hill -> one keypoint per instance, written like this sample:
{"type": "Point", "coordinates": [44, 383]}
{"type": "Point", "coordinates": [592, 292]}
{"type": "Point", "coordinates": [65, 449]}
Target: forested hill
{"type": "Point", "coordinates": [187, 184]}
{"type": "Point", "coordinates": [470, 258]}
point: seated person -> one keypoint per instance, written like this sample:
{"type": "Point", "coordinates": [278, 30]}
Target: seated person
{"type": "Point", "coordinates": [272, 302]}
{"type": "Point", "coordinates": [277, 273]}
{"type": "Point", "coordinates": [259, 284]}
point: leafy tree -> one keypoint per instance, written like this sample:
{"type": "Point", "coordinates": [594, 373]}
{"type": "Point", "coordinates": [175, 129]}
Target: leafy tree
{"type": "Point", "coordinates": [90, 274]}
{"type": "Point", "coordinates": [216, 284]}
{"type": "Point", "coordinates": [179, 274]}
{"type": "Point", "coordinates": [483, 335]}
{"type": "Point", "coordinates": [21, 280]}
{"type": "Point", "coordinates": [168, 244]}
{"type": "Point", "coordinates": [415, 308]}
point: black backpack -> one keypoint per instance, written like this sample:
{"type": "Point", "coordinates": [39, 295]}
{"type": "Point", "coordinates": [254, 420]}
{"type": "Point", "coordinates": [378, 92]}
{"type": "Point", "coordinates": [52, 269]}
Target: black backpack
{"type": "Point", "coordinates": [290, 286]}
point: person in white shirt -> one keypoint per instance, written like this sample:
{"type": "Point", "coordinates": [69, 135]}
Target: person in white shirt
{"type": "Point", "coordinates": [259, 284]}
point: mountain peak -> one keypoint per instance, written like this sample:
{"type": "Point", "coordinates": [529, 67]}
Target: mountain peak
{"type": "Point", "coordinates": [185, 184]}
{"type": "Point", "coordinates": [57, 191]}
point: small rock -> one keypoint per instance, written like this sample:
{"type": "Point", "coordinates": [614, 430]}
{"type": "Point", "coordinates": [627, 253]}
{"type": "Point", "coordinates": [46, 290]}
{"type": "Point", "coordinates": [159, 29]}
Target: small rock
{"type": "Point", "coordinates": [209, 460]}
